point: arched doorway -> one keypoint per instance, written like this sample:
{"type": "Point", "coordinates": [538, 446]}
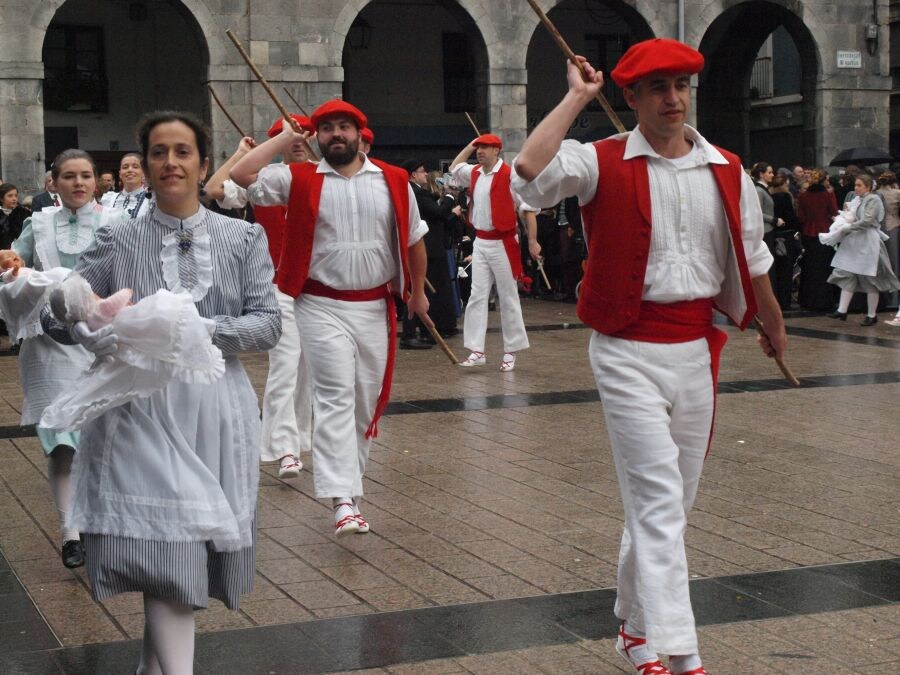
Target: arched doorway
{"type": "Point", "coordinates": [106, 63]}
{"type": "Point", "coordinates": [757, 94]}
{"type": "Point", "coordinates": [601, 30]}
{"type": "Point", "coordinates": [415, 67]}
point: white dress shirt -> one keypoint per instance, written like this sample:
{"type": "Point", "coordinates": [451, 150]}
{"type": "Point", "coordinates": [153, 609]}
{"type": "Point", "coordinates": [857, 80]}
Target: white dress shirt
{"type": "Point", "coordinates": [690, 241]}
{"type": "Point", "coordinates": [480, 200]}
{"type": "Point", "coordinates": [354, 245]}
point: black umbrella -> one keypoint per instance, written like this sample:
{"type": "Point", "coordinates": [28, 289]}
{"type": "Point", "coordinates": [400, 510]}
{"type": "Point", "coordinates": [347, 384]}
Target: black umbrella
{"type": "Point", "coordinates": [861, 156]}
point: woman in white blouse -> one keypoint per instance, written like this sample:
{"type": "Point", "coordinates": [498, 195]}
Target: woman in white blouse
{"type": "Point", "coordinates": [134, 198]}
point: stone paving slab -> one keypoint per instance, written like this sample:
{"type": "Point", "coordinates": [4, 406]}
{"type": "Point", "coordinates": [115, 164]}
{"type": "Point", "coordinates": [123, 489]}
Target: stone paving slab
{"type": "Point", "coordinates": [485, 504]}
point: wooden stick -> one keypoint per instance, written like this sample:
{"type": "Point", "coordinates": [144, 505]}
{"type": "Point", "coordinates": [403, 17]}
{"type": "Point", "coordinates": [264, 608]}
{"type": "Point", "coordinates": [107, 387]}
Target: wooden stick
{"type": "Point", "coordinates": [295, 102]}
{"type": "Point", "coordinates": [224, 111]}
{"type": "Point", "coordinates": [563, 45]}
{"type": "Point", "coordinates": [782, 366]}
{"type": "Point", "coordinates": [429, 324]}
{"type": "Point", "coordinates": [540, 266]}
{"type": "Point", "coordinates": [474, 126]}
{"type": "Point", "coordinates": [429, 286]}
{"type": "Point", "coordinates": [278, 104]}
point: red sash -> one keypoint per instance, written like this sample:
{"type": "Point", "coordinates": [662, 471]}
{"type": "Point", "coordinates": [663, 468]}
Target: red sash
{"type": "Point", "coordinates": [313, 287]}
{"type": "Point", "coordinates": [680, 322]}
{"type": "Point", "coordinates": [510, 243]}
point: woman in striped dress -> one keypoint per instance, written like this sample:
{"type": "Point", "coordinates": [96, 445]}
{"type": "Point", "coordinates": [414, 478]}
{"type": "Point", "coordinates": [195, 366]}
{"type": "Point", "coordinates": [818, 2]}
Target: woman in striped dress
{"type": "Point", "coordinates": [166, 496]}
{"type": "Point", "coordinates": [53, 239]}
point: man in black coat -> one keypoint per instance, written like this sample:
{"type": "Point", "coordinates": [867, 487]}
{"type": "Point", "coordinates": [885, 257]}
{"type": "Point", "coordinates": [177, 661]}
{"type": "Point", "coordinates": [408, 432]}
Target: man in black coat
{"type": "Point", "coordinates": [440, 215]}
{"type": "Point", "coordinates": [46, 198]}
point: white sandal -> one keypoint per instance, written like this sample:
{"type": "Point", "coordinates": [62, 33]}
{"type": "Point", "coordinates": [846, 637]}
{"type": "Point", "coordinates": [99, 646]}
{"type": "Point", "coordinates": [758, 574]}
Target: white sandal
{"type": "Point", "coordinates": [474, 359]}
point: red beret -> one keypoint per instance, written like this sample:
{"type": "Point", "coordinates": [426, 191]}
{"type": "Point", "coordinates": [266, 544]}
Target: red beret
{"type": "Point", "coordinates": [489, 140]}
{"type": "Point", "coordinates": [367, 135]}
{"type": "Point", "coordinates": [339, 107]}
{"type": "Point", "coordinates": [278, 125]}
{"type": "Point", "coordinates": [659, 55]}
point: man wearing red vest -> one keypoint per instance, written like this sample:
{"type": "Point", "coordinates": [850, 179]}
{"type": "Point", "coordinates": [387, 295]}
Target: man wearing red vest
{"type": "Point", "coordinates": [353, 238]}
{"type": "Point", "coordinates": [674, 230]}
{"type": "Point", "coordinates": [286, 408]}
{"type": "Point", "coordinates": [495, 255]}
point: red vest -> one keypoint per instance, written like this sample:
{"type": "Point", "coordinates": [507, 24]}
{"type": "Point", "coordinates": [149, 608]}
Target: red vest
{"type": "Point", "coordinates": [272, 219]}
{"type": "Point", "coordinates": [617, 225]}
{"type": "Point", "coordinates": [503, 216]}
{"type": "Point", "coordinates": [503, 210]}
{"type": "Point", "coordinates": [303, 211]}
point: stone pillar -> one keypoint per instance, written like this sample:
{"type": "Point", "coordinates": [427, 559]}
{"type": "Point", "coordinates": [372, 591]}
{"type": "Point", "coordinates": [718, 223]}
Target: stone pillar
{"type": "Point", "coordinates": [507, 111]}
{"type": "Point", "coordinates": [22, 125]}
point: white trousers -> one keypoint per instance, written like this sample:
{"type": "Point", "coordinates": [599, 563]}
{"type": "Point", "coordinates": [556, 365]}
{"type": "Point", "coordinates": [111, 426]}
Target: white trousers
{"type": "Point", "coordinates": [490, 265]}
{"type": "Point", "coordinates": [345, 344]}
{"type": "Point", "coordinates": [658, 402]}
{"type": "Point", "coordinates": [286, 408]}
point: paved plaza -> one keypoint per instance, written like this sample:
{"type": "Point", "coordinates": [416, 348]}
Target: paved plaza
{"type": "Point", "coordinates": [496, 519]}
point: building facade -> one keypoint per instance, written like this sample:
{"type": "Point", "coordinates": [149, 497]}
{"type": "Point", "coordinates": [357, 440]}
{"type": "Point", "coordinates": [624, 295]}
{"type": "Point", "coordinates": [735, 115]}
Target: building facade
{"type": "Point", "coordinates": [80, 72]}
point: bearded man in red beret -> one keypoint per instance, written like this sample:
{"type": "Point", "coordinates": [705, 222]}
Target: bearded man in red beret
{"type": "Point", "coordinates": [496, 259]}
{"type": "Point", "coordinates": [353, 238]}
{"type": "Point", "coordinates": [674, 230]}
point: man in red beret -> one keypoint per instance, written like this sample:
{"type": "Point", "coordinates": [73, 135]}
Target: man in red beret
{"type": "Point", "coordinates": [496, 258]}
{"type": "Point", "coordinates": [366, 139]}
{"type": "Point", "coordinates": [674, 230]}
{"type": "Point", "coordinates": [286, 406]}
{"type": "Point", "coordinates": [353, 238]}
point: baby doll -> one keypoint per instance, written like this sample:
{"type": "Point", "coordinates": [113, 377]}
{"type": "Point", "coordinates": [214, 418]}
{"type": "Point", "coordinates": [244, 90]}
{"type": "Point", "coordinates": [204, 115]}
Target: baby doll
{"type": "Point", "coordinates": [73, 300]}
{"type": "Point", "coordinates": [841, 224]}
{"type": "Point", "coordinates": [12, 265]}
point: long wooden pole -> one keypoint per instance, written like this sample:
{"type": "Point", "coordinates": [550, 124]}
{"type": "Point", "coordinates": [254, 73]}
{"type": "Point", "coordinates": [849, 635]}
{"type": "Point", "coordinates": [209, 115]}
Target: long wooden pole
{"type": "Point", "coordinates": [474, 126]}
{"type": "Point", "coordinates": [262, 80]}
{"type": "Point", "coordinates": [224, 110]}
{"type": "Point", "coordinates": [429, 324]}
{"type": "Point", "coordinates": [295, 101]}
{"type": "Point", "coordinates": [563, 45]}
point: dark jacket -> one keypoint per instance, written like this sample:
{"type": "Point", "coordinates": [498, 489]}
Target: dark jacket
{"type": "Point", "coordinates": [439, 216]}
{"type": "Point", "coordinates": [41, 201]}
{"type": "Point", "coordinates": [11, 225]}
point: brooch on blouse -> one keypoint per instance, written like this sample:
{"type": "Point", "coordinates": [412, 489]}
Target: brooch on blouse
{"type": "Point", "coordinates": [185, 240]}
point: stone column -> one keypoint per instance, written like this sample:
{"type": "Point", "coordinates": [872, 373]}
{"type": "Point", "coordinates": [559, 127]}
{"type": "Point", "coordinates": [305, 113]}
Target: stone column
{"type": "Point", "coordinates": [506, 107]}
{"type": "Point", "coordinates": [22, 125]}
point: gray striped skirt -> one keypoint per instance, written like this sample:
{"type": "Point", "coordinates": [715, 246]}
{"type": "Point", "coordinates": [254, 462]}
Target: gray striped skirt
{"type": "Point", "coordinates": [189, 572]}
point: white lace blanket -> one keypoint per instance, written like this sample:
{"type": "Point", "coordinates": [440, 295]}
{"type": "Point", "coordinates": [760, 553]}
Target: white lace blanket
{"type": "Point", "coordinates": [161, 338]}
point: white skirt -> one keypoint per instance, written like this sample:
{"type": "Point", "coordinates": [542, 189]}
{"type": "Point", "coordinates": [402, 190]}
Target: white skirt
{"type": "Point", "coordinates": [179, 465]}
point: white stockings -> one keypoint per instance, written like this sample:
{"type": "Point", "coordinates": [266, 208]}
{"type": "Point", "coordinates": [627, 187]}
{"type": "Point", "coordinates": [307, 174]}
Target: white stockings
{"type": "Point", "coordinates": [168, 647]}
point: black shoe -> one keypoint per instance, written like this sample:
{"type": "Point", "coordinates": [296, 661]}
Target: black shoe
{"type": "Point", "coordinates": [413, 343]}
{"type": "Point", "coordinates": [869, 321]}
{"type": "Point", "coordinates": [449, 332]}
{"type": "Point", "coordinates": [837, 315]}
{"type": "Point", "coordinates": [73, 553]}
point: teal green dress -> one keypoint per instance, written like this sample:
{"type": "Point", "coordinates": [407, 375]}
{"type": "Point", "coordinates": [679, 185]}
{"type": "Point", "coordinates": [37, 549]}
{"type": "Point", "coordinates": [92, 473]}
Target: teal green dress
{"type": "Point", "coordinates": [51, 238]}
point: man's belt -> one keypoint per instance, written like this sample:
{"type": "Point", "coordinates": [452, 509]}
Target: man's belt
{"type": "Point", "coordinates": [510, 244]}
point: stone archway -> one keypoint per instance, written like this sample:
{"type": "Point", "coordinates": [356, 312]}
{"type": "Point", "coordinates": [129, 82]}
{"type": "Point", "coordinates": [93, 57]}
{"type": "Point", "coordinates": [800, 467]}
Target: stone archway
{"type": "Point", "coordinates": [122, 69]}
{"type": "Point", "coordinates": [601, 30]}
{"type": "Point", "coordinates": [415, 67]}
{"type": "Point", "coordinates": [784, 129]}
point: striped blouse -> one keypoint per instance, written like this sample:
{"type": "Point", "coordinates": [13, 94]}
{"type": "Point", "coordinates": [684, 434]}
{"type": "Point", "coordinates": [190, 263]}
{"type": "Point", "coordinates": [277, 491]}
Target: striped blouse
{"type": "Point", "coordinates": [223, 262]}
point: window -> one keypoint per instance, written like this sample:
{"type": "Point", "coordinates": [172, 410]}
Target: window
{"type": "Point", "coordinates": [459, 73]}
{"type": "Point", "coordinates": [75, 69]}
{"type": "Point", "coordinates": [603, 52]}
